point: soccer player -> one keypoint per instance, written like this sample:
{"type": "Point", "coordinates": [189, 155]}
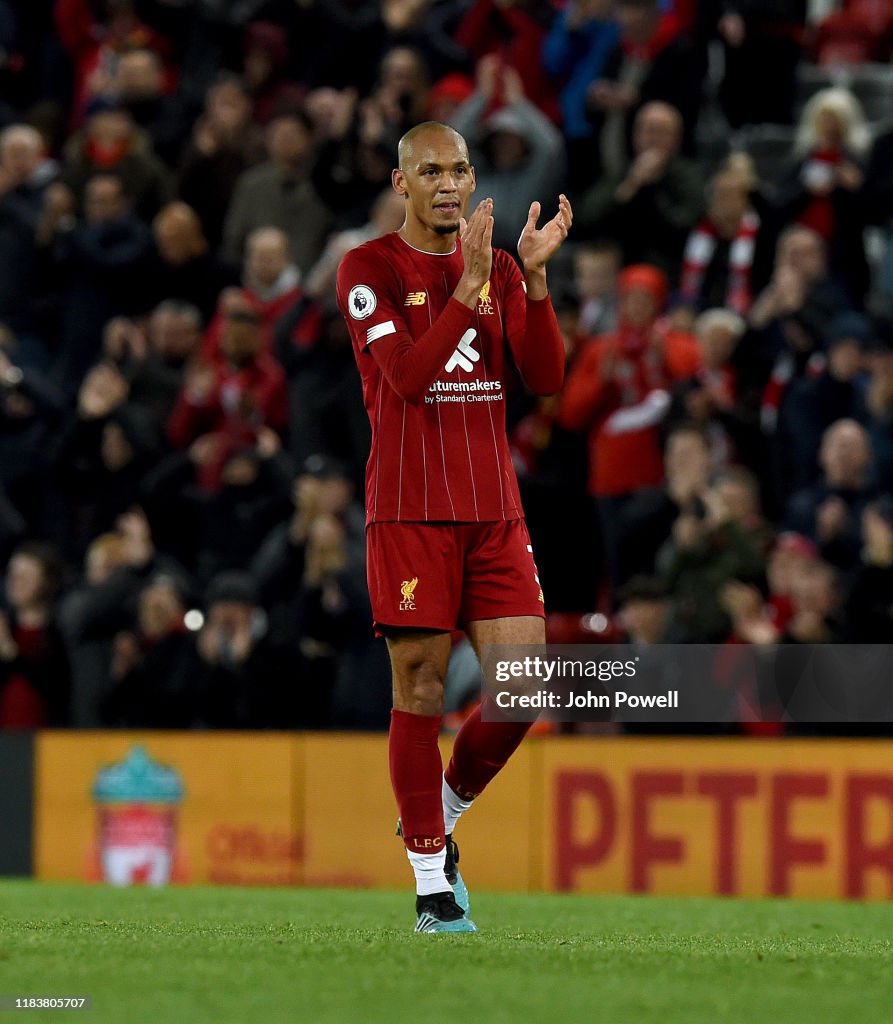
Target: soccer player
{"type": "Point", "coordinates": [431, 310]}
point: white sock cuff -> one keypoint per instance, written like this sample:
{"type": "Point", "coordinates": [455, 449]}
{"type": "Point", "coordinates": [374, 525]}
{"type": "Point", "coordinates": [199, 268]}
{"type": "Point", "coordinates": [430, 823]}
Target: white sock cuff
{"type": "Point", "coordinates": [429, 876]}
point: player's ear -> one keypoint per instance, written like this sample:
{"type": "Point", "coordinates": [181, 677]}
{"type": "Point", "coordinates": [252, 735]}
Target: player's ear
{"type": "Point", "coordinates": [398, 180]}
{"type": "Point", "coordinates": [474, 183]}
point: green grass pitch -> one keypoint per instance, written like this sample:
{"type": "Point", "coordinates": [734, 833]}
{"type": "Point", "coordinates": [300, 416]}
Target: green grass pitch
{"type": "Point", "coordinates": [217, 955]}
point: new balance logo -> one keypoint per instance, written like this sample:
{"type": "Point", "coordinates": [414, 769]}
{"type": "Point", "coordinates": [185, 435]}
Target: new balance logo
{"type": "Point", "coordinates": [415, 299]}
{"type": "Point", "coordinates": [465, 356]}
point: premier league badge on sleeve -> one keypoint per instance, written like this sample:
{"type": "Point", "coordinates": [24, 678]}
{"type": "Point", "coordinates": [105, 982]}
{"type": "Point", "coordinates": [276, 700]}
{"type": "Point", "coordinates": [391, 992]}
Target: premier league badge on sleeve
{"type": "Point", "coordinates": [361, 302]}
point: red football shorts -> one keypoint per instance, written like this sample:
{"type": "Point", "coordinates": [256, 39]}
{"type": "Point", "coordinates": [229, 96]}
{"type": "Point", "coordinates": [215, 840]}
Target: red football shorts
{"type": "Point", "coordinates": [445, 575]}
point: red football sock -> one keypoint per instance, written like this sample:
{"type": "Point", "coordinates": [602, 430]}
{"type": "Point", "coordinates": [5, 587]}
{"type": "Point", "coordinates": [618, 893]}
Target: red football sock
{"type": "Point", "coordinates": [416, 770]}
{"type": "Point", "coordinates": [481, 749]}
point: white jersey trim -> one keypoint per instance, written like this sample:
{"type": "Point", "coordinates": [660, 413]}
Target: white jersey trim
{"type": "Point", "coordinates": [380, 331]}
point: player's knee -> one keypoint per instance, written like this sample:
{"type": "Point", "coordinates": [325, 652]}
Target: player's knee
{"type": "Point", "coordinates": [419, 691]}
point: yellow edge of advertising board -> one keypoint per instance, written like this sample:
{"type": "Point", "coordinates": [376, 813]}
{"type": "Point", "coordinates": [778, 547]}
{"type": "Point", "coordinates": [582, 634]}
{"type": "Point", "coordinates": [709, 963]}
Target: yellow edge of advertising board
{"type": "Point", "coordinates": [802, 818]}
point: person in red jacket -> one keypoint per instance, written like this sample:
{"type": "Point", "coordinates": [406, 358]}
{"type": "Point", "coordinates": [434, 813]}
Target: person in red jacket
{"type": "Point", "coordinates": [233, 398]}
{"type": "Point", "coordinates": [618, 391]}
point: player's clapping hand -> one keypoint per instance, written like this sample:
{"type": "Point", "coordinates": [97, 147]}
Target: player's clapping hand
{"type": "Point", "coordinates": [537, 246]}
{"type": "Point", "coordinates": [477, 252]}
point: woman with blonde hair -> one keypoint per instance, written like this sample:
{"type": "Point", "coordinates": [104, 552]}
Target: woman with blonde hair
{"type": "Point", "coordinates": [822, 188]}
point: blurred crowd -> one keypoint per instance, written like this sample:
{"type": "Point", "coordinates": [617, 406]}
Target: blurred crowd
{"type": "Point", "coordinates": [181, 424]}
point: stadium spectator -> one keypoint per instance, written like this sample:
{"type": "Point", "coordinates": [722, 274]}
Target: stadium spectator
{"type": "Point", "coordinates": [816, 607]}
{"type": "Point", "coordinates": [183, 266]}
{"type": "Point", "coordinates": [225, 142]}
{"type": "Point", "coordinates": [762, 46]}
{"type": "Point", "coordinates": [281, 193]}
{"type": "Point", "coordinates": [111, 144]}
{"type": "Point", "coordinates": [101, 455]}
{"type": "Point", "coordinates": [251, 676]}
{"type": "Point", "coordinates": [24, 177]}
{"type": "Point", "coordinates": [34, 683]}
{"type": "Point", "coordinates": [212, 505]}
{"type": "Point", "coordinates": [95, 269]}
{"type": "Point", "coordinates": [153, 675]}
{"type": "Point", "coordinates": [517, 153]}
{"type": "Point", "coordinates": [728, 256]}
{"type": "Point", "coordinates": [830, 511]}
{"type": "Point", "coordinates": [617, 391]}
{"type": "Point", "coordinates": [31, 409]}
{"type": "Point", "coordinates": [236, 394]}
{"type": "Point", "coordinates": [788, 322]}
{"type": "Point", "coordinates": [596, 266]}
{"type": "Point", "coordinates": [651, 61]}
{"type": "Point", "coordinates": [154, 361]}
{"type": "Point", "coordinates": [833, 389]}
{"type": "Point", "coordinates": [879, 399]}
{"type": "Point", "coordinates": [644, 611]}
{"type": "Point", "coordinates": [574, 54]}
{"type": "Point", "coordinates": [713, 398]}
{"type": "Point", "coordinates": [650, 204]}
{"type": "Point", "coordinates": [515, 31]}
{"type": "Point", "coordinates": [822, 188]}
{"type": "Point", "coordinates": [708, 547]}
{"type": "Point", "coordinates": [649, 516]}
{"type": "Point", "coordinates": [139, 86]}
{"type": "Point", "coordinates": [265, 72]}
{"type": "Point", "coordinates": [869, 610]}
{"type": "Point", "coordinates": [117, 567]}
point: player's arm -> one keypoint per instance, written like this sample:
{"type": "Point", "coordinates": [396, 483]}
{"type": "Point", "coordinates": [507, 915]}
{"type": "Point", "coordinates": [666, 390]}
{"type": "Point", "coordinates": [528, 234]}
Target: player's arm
{"type": "Point", "coordinates": [533, 332]}
{"type": "Point", "coordinates": [409, 364]}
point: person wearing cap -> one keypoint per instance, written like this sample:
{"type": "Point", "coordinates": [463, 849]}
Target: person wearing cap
{"type": "Point", "coordinates": [618, 391]}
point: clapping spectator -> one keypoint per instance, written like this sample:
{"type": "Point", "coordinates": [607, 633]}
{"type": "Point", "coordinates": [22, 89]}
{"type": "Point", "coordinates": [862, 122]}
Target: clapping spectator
{"type": "Point", "coordinates": [649, 205]}
{"type": "Point", "coordinates": [236, 394]}
{"type": "Point", "coordinates": [251, 676]}
{"type": "Point", "coordinates": [102, 454]}
{"type": "Point", "coordinates": [225, 142]}
{"type": "Point", "coordinates": [822, 189]}
{"type": "Point", "coordinates": [514, 31]}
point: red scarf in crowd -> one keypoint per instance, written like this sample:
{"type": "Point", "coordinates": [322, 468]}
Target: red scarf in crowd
{"type": "Point", "coordinates": [699, 252]}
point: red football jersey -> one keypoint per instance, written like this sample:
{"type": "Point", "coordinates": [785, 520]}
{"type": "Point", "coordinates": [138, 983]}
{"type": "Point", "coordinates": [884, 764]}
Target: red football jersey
{"type": "Point", "coordinates": [433, 374]}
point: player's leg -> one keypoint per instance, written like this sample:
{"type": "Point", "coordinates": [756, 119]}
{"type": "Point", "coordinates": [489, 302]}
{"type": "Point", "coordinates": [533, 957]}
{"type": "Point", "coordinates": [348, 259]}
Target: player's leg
{"type": "Point", "coordinates": [482, 748]}
{"type": "Point", "coordinates": [419, 663]}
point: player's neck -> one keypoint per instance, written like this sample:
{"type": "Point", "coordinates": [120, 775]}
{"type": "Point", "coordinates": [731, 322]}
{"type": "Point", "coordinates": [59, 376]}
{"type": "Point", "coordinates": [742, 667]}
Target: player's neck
{"type": "Point", "coordinates": [424, 240]}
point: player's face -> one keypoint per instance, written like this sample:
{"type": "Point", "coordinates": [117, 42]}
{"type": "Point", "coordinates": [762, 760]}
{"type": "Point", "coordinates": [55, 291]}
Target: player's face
{"type": "Point", "coordinates": [437, 182]}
